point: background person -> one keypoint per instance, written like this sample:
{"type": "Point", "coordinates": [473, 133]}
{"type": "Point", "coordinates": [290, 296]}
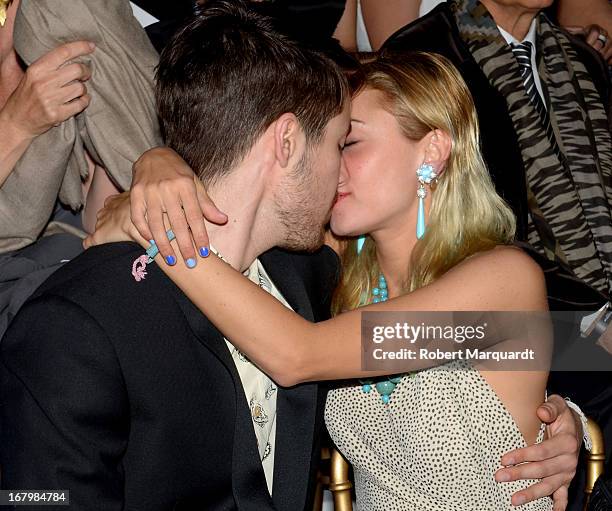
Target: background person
{"type": "Point", "coordinates": [56, 169]}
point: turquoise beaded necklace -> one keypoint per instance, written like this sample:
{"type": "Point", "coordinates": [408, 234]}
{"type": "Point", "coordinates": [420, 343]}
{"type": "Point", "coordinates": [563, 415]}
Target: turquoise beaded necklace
{"type": "Point", "coordinates": [380, 293]}
{"type": "Point", "coordinates": [386, 386]}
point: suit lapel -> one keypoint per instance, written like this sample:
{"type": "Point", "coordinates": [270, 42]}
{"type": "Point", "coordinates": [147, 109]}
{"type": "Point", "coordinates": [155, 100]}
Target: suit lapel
{"type": "Point", "coordinates": [283, 273]}
{"type": "Point", "coordinates": [295, 422]}
{"type": "Point", "coordinates": [296, 407]}
{"type": "Point", "coordinates": [248, 479]}
{"type": "Point", "coordinates": [204, 331]}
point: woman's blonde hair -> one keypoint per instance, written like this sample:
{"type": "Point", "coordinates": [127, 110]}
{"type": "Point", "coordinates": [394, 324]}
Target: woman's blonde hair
{"type": "Point", "coordinates": [425, 92]}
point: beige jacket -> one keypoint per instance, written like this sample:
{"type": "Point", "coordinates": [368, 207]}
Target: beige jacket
{"type": "Point", "coordinates": [117, 127]}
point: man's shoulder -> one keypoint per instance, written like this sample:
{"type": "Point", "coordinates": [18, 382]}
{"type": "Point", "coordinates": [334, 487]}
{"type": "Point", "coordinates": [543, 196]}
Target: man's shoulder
{"type": "Point", "coordinates": [317, 273]}
{"type": "Point", "coordinates": [94, 302]}
{"type": "Point", "coordinates": [104, 275]}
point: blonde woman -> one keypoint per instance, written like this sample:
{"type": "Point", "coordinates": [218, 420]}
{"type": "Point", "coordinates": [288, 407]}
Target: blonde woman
{"type": "Point", "coordinates": [438, 442]}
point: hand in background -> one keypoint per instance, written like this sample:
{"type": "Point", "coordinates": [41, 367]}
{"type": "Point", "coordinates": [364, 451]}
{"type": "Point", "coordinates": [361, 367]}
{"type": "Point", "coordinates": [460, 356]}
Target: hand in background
{"type": "Point", "coordinates": [597, 37]}
{"type": "Point", "coordinates": [588, 17]}
{"type": "Point", "coordinates": [51, 91]}
{"type": "Point", "coordinates": [163, 184]}
{"type": "Point", "coordinates": [114, 223]}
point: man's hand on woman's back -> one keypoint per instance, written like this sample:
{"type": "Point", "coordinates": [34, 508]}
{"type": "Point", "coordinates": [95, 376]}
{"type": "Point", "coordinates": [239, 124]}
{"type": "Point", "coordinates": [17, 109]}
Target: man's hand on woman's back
{"type": "Point", "coordinates": [553, 461]}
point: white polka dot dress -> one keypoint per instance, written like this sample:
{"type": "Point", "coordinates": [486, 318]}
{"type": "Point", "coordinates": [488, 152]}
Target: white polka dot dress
{"type": "Point", "coordinates": [435, 447]}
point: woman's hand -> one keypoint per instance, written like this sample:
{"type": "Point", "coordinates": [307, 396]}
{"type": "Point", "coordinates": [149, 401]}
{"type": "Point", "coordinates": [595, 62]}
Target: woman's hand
{"type": "Point", "coordinates": [163, 184]}
{"type": "Point", "coordinates": [597, 37]}
{"type": "Point", "coordinates": [51, 91]}
{"type": "Point", "coordinates": [114, 223]}
{"type": "Point", "coordinates": [554, 461]}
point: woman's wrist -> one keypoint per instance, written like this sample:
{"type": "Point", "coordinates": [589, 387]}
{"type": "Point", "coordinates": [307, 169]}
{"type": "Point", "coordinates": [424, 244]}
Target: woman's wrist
{"type": "Point", "coordinates": [15, 139]}
{"type": "Point", "coordinates": [15, 143]}
{"type": "Point", "coordinates": [13, 130]}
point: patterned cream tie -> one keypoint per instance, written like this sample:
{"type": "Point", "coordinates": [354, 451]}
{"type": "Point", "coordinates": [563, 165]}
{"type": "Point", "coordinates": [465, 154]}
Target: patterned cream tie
{"type": "Point", "coordinates": [260, 390]}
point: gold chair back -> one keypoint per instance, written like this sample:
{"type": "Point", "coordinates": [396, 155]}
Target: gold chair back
{"type": "Point", "coordinates": [335, 477]}
{"type": "Point", "coordinates": [594, 460]}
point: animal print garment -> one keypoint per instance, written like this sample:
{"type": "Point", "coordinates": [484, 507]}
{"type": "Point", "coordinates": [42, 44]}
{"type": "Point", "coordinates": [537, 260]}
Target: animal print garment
{"type": "Point", "coordinates": [569, 193]}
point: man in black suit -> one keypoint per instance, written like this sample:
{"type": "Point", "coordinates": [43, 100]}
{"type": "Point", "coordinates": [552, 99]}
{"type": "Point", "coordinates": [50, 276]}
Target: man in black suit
{"type": "Point", "coordinates": [113, 385]}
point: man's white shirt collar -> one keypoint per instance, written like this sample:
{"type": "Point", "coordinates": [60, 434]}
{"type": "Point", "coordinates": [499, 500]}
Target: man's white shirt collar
{"type": "Point", "coordinates": [144, 18]}
{"type": "Point", "coordinates": [530, 37]}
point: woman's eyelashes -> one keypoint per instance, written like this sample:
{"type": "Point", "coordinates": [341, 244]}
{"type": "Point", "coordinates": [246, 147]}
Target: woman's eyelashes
{"type": "Point", "coordinates": [342, 143]}
{"type": "Point", "coordinates": [349, 143]}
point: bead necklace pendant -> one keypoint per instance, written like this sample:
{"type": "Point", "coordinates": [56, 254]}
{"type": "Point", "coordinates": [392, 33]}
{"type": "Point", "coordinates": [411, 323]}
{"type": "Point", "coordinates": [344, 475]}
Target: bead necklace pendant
{"type": "Point", "coordinates": [380, 293]}
{"type": "Point", "coordinates": [384, 387]}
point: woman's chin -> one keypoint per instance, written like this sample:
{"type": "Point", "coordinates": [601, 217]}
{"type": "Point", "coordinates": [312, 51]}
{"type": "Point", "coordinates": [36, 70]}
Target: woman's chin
{"type": "Point", "coordinates": [343, 231]}
{"type": "Point", "coordinates": [346, 223]}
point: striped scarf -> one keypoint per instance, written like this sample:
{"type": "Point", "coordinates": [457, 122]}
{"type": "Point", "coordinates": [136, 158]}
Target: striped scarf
{"type": "Point", "coordinates": [569, 191]}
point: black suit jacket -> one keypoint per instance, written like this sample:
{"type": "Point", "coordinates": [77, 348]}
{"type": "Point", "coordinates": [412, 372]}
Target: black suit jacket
{"type": "Point", "coordinates": [126, 395]}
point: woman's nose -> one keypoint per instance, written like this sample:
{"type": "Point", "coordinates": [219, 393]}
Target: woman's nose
{"type": "Point", "coordinates": [343, 175]}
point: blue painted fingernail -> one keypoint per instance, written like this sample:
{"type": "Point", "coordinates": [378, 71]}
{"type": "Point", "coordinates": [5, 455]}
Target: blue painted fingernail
{"type": "Point", "coordinates": [204, 251]}
{"type": "Point", "coordinates": [171, 260]}
{"type": "Point", "coordinates": [191, 263]}
{"type": "Point", "coordinates": [152, 242]}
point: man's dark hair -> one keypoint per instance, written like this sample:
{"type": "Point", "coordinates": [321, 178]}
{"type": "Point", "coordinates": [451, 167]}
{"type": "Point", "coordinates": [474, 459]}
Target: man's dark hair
{"type": "Point", "coordinates": [228, 75]}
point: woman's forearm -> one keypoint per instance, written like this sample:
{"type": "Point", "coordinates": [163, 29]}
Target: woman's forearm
{"type": "Point", "coordinates": [292, 350]}
{"type": "Point", "coordinates": [237, 307]}
{"type": "Point", "coordinates": [346, 31]}
{"type": "Point", "coordinates": [14, 145]}
{"type": "Point", "coordinates": [384, 18]}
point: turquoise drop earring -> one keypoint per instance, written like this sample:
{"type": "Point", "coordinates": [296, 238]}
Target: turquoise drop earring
{"type": "Point", "coordinates": [360, 243]}
{"type": "Point", "coordinates": [425, 175]}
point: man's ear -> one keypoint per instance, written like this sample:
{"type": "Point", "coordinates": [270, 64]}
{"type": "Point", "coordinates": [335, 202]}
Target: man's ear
{"type": "Point", "coordinates": [437, 151]}
{"type": "Point", "coordinates": [286, 135]}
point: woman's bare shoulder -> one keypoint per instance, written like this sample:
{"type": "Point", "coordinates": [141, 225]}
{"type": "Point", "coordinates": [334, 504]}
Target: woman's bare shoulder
{"type": "Point", "coordinates": [503, 278]}
{"type": "Point", "coordinates": [509, 259]}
